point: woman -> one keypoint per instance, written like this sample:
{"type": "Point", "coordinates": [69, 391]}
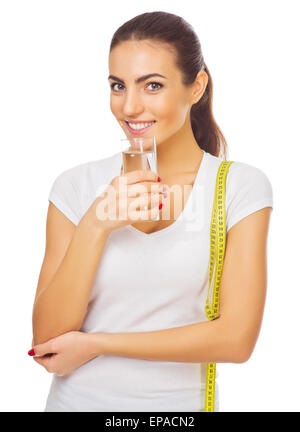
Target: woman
{"type": "Point", "coordinates": [119, 314]}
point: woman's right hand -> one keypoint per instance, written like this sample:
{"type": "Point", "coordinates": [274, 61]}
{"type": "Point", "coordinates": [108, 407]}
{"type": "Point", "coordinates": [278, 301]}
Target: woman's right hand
{"type": "Point", "coordinates": [123, 202]}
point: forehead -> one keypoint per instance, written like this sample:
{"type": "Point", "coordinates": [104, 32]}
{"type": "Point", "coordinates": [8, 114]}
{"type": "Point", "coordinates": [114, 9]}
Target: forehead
{"type": "Point", "coordinates": [136, 58]}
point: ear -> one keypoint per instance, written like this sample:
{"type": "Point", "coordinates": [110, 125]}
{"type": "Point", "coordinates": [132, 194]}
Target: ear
{"type": "Point", "coordinates": [199, 86]}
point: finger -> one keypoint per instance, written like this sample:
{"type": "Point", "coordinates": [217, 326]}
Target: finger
{"type": "Point", "coordinates": [140, 176]}
{"type": "Point", "coordinates": [44, 348]}
{"type": "Point", "coordinates": [144, 187]}
{"type": "Point", "coordinates": [43, 361]}
{"type": "Point", "coordinates": [39, 360]}
{"type": "Point", "coordinates": [144, 202]}
{"type": "Point", "coordinates": [150, 200]}
{"type": "Point", "coordinates": [144, 214]}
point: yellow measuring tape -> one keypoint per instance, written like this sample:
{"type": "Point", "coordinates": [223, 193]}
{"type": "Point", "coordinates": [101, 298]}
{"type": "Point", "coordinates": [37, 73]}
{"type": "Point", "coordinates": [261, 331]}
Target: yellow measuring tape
{"type": "Point", "coordinates": [217, 250]}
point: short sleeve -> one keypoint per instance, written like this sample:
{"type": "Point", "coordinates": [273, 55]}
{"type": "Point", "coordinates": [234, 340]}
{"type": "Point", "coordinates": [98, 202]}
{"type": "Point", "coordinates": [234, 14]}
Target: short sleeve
{"type": "Point", "coordinates": [64, 194]}
{"type": "Point", "coordinates": [248, 189]}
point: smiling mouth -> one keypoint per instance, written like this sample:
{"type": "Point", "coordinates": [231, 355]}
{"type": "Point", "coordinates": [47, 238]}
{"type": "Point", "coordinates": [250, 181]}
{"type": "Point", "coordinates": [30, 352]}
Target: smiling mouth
{"type": "Point", "coordinates": [139, 128]}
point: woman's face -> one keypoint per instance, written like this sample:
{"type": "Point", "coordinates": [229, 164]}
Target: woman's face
{"type": "Point", "coordinates": [162, 99]}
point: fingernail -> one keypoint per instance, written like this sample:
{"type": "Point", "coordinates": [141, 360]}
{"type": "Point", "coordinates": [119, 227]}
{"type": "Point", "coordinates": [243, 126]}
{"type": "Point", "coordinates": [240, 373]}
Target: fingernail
{"type": "Point", "coordinates": [165, 195]}
{"type": "Point", "coordinates": [31, 352]}
{"type": "Point", "coordinates": [160, 206]}
{"type": "Point", "coordinates": [158, 179]}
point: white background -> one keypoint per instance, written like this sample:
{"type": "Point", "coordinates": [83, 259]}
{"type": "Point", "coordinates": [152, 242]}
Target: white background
{"type": "Point", "coordinates": [55, 114]}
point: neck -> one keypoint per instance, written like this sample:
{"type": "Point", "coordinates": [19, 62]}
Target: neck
{"type": "Point", "coordinates": [180, 153]}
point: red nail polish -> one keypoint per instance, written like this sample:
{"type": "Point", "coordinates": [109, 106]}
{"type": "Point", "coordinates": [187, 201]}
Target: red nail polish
{"type": "Point", "coordinates": [31, 352]}
{"type": "Point", "coordinates": [158, 179]}
{"type": "Point", "coordinates": [160, 206]}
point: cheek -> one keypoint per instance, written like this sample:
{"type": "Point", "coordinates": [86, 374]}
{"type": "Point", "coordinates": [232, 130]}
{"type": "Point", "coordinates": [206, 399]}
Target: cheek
{"type": "Point", "coordinates": [115, 105]}
{"type": "Point", "coordinates": [164, 108]}
{"type": "Point", "coordinates": [172, 110]}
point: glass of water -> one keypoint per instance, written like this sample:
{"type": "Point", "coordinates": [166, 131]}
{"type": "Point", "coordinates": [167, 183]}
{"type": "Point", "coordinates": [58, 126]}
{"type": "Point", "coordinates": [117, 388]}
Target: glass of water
{"type": "Point", "coordinates": [139, 153]}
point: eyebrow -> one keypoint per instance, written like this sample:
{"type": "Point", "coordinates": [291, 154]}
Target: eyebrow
{"type": "Point", "coordinates": [138, 80]}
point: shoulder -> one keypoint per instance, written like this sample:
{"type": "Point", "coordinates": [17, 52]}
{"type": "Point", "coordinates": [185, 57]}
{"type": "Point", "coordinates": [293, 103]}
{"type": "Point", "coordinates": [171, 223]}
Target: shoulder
{"type": "Point", "coordinates": [90, 169]}
{"type": "Point", "coordinates": [243, 178]}
{"type": "Point", "coordinates": [75, 188]}
{"type": "Point", "coordinates": [248, 189]}
{"type": "Point", "coordinates": [240, 169]}
{"type": "Point", "coordinates": [86, 177]}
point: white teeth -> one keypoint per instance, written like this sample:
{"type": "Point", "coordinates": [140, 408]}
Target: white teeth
{"type": "Point", "coordinates": [138, 126]}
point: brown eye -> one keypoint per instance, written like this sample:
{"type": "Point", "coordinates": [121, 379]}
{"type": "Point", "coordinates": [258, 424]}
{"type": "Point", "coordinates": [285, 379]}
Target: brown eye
{"type": "Point", "coordinates": [114, 84]}
{"type": "Point", "coordinates": [155, 84]}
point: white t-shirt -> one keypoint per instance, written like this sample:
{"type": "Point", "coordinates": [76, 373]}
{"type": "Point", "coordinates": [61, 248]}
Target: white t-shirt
{"type": "Point", "coordinates": [148, 282]}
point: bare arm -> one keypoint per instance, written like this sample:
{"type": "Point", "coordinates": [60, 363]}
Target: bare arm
{"type": "Point", "coordinates": [231, 337]}
{"type": "Point", "coordinates": [71, 259]}
{"type": "Point", "coordinates": [194, 343]}
{"type": "Point", "coordinates": [73, 253]}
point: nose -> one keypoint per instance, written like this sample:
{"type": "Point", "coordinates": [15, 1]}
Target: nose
{"type": "Point", "coordinates": [133, 104]}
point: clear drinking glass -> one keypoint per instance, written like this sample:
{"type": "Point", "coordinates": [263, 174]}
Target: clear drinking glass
{"type": "Point", "coordinates": [139, 153]}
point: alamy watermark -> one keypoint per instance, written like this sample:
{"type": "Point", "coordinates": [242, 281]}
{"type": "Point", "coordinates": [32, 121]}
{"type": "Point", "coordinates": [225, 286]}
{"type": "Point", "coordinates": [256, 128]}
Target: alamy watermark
{"type": "Point", "coordinates": [192, 212]}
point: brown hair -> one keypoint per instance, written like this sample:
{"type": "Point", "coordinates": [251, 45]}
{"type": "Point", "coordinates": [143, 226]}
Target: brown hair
{"type": "Point", "coordinates": [175, 31]}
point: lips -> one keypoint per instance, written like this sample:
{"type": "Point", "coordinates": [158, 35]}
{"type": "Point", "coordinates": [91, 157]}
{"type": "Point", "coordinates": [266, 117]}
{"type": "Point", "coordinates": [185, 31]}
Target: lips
{"type": "Point", "coordinates": [138, 131]}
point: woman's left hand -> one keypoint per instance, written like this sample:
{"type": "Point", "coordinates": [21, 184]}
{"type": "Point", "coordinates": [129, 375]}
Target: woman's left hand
{"type": "Point", "coordinates": [67, 352]}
